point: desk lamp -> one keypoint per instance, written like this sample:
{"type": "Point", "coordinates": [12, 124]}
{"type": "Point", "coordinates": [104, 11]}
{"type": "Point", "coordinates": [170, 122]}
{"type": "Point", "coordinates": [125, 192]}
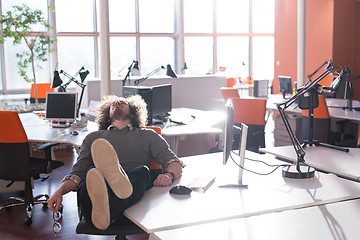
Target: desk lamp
{"type": "Point", "coordinates": [169, 72]}
{"type": "Point", "coordinates": [301, 170]}
{"type": "Point", "coordinates": [133, 66]}
{"type": "Point", "coordinates": [62, 88]}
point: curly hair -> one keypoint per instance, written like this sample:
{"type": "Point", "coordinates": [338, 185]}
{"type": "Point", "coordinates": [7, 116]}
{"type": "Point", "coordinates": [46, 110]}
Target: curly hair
{"type": "Point", "coordinates": [138, 111]}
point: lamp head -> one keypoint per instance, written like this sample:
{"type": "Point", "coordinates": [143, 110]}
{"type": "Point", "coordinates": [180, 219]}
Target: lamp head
{"type": "Point", "coordinates": [135, 70]}
{"type": "Point", "coordinates": [56, 80]}
{"type": "Point", "coordinates": [342, 85]}
{"type": "Point", "coordinates": [170, 72]}
{"type": "Point", "coordinates": [83, 75]}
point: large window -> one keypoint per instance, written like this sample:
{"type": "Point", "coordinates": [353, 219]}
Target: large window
{"type": "Point", "coordinates": [206, 34]}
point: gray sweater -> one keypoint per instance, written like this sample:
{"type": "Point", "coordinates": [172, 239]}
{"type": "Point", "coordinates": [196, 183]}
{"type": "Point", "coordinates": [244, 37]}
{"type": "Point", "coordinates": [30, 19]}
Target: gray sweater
{"type": "Point", "coordinates": [133, 146]}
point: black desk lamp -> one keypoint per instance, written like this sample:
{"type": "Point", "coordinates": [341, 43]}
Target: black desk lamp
{"type": "Point", "coordinates": [301, 170]}
{"type": "Point", "coordinates": [133, 65]}
{"type": "Point", "coordinates": [169, 72]}
{"type": "Point", "coordinates": [62, 88]}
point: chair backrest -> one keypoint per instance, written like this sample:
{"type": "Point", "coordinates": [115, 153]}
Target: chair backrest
{"type": "Point", "coordinates": [153, 164]}
{"type": "Point", "coordinates": [42, 89]}
{"type": "Point", "coordinates": [14, 148]}
{"type": "Point", "coordinates": [249, 111]}
{"type": "Point", "coordinates": [229, 92]}
{"type": "Point", "coordinates": [358, 143]}
{"type": "Point", "coordinates": [252, 113]}
{"type": "Point", "coordinates": [321, 111]}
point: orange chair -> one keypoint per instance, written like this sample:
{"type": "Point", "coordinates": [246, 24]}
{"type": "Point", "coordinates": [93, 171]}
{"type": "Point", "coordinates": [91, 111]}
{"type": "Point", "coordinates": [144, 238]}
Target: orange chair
{"type": "Point", "coordinates": [42, 89]}
{"type": "Point", "coordinates": [358, 143]}
{"type": "Point", "coordinates": [252, 113]}
{"type": "Point", "coordinates": [229, 92]}
{"type": "Point", "coordinates": [321, 122]}
{"type": "Point", "coordinates": [17, 165]}
{"type": "Point", "coordinates": [153, 164]}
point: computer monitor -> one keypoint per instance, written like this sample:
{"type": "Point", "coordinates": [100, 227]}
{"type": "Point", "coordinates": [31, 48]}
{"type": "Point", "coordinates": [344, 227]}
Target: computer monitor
{"type": "Point", "coordinates": [230, 130]}
{"type": "Point", "coordinates": [285, 85]}
{"type": "Point", "coordinates": [61, 108]}
{"type": "Point", "coordinates": [158, 99]}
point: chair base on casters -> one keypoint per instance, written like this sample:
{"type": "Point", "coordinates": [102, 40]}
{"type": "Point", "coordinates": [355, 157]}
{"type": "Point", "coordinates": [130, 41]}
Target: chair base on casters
{"type": "Point", "coordinates": [18, 201]}
{"type": "Point", "coordinates": [120, 230]}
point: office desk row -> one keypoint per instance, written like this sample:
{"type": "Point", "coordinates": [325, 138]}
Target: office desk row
{"type": "Point", "coordinates": [160, 211]}
{"type": "Point", "coordinates": [200, 123]}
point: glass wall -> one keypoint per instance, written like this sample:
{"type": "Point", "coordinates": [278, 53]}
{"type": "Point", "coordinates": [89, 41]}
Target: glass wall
{"type": "Point", "coordinates": [209, 35]}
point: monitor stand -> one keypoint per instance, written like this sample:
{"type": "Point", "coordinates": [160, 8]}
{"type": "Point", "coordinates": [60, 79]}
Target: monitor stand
{"type": "Point", "coordinates": [242, 148]}
{"type": "Point", "coordinates": [60, 125]}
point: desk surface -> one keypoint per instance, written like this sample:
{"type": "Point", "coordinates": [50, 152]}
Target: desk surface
{"type": "Point", "coordinates": [325, 159]}
{"type": "Point", "coordinates": [39, 130]}
{"type": "Point", "coordinates": [330, 221]}
{"type": "Point", "coordinates": [265, 194]}
{"type": "Point", "coordinates": [334, 106]}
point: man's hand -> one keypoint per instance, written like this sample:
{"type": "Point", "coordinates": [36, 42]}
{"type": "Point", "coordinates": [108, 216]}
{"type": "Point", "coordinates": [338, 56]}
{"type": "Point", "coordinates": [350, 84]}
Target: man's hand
{"type": "Point", "coordinates": [54, 202]}
{"type": "Point", "coordinates": [163, 180]}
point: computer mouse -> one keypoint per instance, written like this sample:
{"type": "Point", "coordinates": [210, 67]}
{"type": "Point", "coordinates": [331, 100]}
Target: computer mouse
{"type": "Point", "coordinates": [75, 133]}
{"type": "Point", "coordinates": [180, 189]}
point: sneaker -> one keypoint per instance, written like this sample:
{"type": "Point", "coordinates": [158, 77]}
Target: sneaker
{"type": "Point", "coordinates": [106, 160]}
{"type": "Point", "coordinates": [97, 190]}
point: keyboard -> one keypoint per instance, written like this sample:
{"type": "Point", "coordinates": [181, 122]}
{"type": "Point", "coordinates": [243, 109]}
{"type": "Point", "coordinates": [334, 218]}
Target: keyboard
{"type": "Point", "coordinates": [202, 183]}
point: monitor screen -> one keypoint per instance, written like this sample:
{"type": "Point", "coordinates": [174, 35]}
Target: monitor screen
{"type": "Point", "coordinates": [285, 85]}
{"type": "Point", "coordinates": [230, 130]}
{"type": "Point", "coordinates": [61, 106]}
{"type": "Point", "coordinates": [158, 99]}
{"type": "Point", "coordinates": [161, 100]}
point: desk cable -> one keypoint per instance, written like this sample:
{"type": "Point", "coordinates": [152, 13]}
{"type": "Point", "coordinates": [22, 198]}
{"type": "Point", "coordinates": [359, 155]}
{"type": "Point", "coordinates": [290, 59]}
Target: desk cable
{"type": "Point", "coordinates": [254, 160]}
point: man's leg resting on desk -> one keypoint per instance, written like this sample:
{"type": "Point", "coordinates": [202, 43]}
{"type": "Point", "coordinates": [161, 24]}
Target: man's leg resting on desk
{"type": "Point", "coordinates": [93, 198]}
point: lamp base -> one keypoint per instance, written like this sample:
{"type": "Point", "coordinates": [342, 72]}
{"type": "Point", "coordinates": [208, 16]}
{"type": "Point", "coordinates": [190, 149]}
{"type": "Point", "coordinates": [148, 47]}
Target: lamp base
{"type": "Point", "coordinates": [292, 172]}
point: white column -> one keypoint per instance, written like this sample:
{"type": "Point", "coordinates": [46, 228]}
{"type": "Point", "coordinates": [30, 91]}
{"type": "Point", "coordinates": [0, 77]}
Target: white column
{"type": "Point", "coordinates": [104, 48]}
{"type": "Point", "coordinates": [301, 36]}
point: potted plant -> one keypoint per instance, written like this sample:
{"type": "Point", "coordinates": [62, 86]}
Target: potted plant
{"type": "Point", "coordinates": [19, 24]}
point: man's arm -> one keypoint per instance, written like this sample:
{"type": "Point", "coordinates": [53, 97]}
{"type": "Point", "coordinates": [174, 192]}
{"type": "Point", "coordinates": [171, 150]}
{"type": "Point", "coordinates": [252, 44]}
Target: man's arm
{"type": "Point", "coordinates": [173, 171]}
{"type": "Point", "coordinates": [54, 202]}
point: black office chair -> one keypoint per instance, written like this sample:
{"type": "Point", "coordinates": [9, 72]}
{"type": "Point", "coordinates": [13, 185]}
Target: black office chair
{"type": "Point", "coordinates": [119, 229]}
{"type": "Point", "coordinates": [123, 226]}
{"type": "Point", "coordinates": [17, 165]}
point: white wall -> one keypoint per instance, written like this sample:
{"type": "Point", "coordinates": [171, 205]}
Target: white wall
{"type": "Point", "coordinates": [198, 92]}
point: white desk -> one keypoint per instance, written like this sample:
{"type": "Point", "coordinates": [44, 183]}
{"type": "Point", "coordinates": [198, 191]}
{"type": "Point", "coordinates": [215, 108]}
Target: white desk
{"type": "Point", "coordinates": [4, 99]}
{"type": "Point", "coordinates": [204, 124]}
{"type": "Point", "coordinates": [39, 130]}
{"type": "Point", "coordinates": [158, 210]}
{"type": "Point", "coordinates": [201, 123]}
{"type": "Point", "coordinates": [328, 160]}
{"type": "Point", "coordinates": [330, 221]}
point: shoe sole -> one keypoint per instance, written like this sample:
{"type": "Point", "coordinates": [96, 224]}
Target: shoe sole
{"type": "Point", "coordinates": [97, 190]}
{"type": "Point", "coordinates": [106, 160]}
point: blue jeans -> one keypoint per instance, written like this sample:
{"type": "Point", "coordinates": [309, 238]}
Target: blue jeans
{"type": "Point", "coordinates": [141, 180]}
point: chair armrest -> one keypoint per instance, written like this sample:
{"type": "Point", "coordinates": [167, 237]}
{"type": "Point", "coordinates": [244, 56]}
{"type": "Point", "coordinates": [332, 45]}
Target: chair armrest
{"type": "Point", "coordinates": [47, 147]}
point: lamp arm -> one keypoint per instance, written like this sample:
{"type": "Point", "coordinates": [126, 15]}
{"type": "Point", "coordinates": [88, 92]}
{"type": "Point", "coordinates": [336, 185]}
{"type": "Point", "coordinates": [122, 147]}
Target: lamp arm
{"type": "Point", "coordinates": [311, 75]}
{"type": "Point", "coordinates": [137, 82]}
{"type": "Point", "coordinates": [128, 73]}
{"type": "Point", "coordinates": [72, 78]}
{"type": "Point", "coordinates": [80, 100]}
{"type": "Point", "coordinates": [299, 150]}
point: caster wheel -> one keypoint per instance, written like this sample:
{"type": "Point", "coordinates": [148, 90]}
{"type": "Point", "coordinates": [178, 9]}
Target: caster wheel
{"type": "Point", "coordinates": [28, 221]}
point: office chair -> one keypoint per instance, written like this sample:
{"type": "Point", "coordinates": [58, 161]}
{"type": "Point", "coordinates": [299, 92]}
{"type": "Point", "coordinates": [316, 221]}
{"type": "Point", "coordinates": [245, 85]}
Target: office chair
{"type": "Point", "coordinates": [17, 165]}
{"type": "Point", "coordinates": [252, 113]}
{"type": "Point", "coordinates": [321, 122]}
{"type": "Point", "coordinates": [229, 92]}
{"type": "Point", "coordinates": [123, 226]}
{"type": "Point", "coordinates": [42, 89]}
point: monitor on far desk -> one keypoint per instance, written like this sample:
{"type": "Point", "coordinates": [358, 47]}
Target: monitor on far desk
{"type": "Point", "coordinates": [285, 85]}
{"type": "Point", "coordinates": [61, 108]}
